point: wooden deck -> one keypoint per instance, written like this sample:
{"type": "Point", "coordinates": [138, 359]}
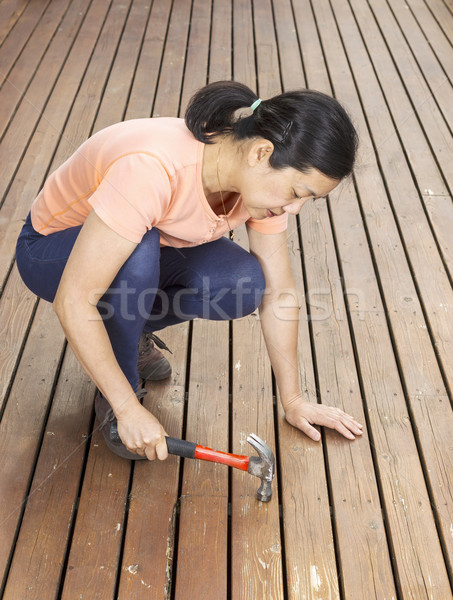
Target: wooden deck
{"type": "Point", "coordinates": [372, 519]}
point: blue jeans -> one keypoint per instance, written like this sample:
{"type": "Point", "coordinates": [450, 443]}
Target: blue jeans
{"type": "Point", "coordinates": [156, 287]}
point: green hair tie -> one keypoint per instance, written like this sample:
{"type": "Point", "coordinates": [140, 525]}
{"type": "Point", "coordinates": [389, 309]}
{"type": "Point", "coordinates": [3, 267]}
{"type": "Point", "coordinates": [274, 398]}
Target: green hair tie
{"type": "Point", "coordinates": [256, 104]}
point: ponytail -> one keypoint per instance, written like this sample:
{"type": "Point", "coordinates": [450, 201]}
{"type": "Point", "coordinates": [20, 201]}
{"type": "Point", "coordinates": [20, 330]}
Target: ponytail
{"type": "Point", "coordinates": [307, 128]}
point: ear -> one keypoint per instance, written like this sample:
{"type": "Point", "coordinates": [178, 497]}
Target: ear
{"type": "Point", "coordinates": [260, 152]}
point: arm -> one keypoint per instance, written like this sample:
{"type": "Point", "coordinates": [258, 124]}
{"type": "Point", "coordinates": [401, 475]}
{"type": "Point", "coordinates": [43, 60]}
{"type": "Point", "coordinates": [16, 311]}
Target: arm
{"type": "Point", "coordinates": [279, 314]}
{"type": "Point", "coordinates": [82, 284]}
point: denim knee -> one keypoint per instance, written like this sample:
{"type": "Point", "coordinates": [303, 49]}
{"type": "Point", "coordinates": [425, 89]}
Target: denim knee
{"type": "Point", "coordinates": [250, 286]}
{"type": "Point", "coordinates": [234, 294]}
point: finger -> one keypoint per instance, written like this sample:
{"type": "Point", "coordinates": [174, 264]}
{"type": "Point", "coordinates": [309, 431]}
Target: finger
{"type": "Point", "coordinates": [309, 430]}
{"type": "Point", "coordinates": [352, 425]}
{"type": "Point", "coordinates": [353, 422]}
{"type": "Point", "coordinates": [162, 450]}
{"type": "Point", "coordinates": [150, 453]}
{"type": "Point", "coordinates": [344, 431]}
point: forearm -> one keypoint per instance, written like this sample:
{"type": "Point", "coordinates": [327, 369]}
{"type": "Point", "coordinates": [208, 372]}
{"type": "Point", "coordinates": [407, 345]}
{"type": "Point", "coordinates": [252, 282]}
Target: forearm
{"type": "Point", "coordinates": [279, 315]}
{"type": "Point", "coordinates": [90, 343]}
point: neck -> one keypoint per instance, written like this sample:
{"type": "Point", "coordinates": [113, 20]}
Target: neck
{"type": "Point", "coordinates": [218, 164]}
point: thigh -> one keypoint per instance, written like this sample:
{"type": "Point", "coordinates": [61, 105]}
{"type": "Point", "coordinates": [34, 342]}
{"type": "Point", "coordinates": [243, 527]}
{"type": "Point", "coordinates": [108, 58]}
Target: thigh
{"type": "Point", "coordinates": [223, 263]}
{"type": "Point", "coordinates": [218, 281]}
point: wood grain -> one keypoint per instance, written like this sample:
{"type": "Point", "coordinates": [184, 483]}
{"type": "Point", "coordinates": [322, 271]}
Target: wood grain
{"type": "Point", "coordinates": [52, 499]}
{"type": "Point", "coordinates": [149, 548]}
{"type": "Point", "coordinates": [23, 419]}
{"type": "Point", "coordinates": [202, 556]}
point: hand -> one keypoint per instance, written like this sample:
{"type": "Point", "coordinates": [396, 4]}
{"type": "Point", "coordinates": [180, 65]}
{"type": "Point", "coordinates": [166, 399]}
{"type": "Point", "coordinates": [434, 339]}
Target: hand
{"type": "Point", "coordinates": [303, 415]}
{"type": "Point", "coordinates": [142, 433]}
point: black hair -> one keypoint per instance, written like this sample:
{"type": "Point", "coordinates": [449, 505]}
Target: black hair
{"type": "Point", "coordinates": [307, 128]}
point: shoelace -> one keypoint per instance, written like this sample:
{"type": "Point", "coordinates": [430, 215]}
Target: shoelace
{"type": "Point", "coordinates": [152, 337]}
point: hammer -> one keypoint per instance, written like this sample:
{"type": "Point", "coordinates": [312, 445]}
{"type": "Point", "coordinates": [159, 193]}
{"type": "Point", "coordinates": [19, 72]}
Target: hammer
{"type": "Point", "coordinates": [262, 466]}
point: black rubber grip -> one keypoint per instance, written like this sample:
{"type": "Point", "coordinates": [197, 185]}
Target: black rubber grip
{"type": "Point", "coordinates": [181, 447]}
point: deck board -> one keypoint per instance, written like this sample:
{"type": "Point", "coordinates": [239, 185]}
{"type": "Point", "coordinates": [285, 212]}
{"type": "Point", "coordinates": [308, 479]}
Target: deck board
{"type": "Point", "coordinates": [374, 268]}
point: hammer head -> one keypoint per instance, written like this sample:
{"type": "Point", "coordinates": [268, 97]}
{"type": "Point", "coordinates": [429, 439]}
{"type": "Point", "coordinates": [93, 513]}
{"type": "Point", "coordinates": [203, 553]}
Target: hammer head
{"type": "Point", "coordinates": [262, 466]}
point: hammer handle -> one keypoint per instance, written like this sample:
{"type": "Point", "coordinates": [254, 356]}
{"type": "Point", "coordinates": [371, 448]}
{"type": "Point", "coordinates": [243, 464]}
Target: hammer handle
{"type": "Point", "coordinates": [192, 450]}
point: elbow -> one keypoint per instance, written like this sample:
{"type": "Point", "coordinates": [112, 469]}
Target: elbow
{"type": "Point", "coordinates": [65, 304]}
{"type": "Point", "coordinates": [62, 305]}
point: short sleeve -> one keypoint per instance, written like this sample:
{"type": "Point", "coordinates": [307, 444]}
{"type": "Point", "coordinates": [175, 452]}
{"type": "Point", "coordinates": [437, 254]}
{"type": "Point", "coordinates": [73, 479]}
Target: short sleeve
{"type": "Point", "coordinates": [133, 195]}
{"type": "Point", "coordinates": [270, 224]}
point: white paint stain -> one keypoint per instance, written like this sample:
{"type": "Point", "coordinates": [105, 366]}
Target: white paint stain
{"type": "Point", "coordinates": [118, 526]}
{"type": "Point", "coordinates": [451, 530]}
{"type": "Point", "coordinates": [315, 579]}
{"type": "Point", "coordinates": [263, 564]}
{"type": "Point", "coordinates": [296, 581]}
{"type": "Point", "coordinates": [238, 365]}
{"type": "Point", "coordinates": [133, 569]}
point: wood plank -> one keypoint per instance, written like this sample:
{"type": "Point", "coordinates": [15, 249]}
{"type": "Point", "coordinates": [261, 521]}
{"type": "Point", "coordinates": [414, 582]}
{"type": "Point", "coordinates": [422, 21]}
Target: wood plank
{"type": "Point", "coordinates": [437, 37]}
{"type": "Point", "coordinates": [310, 567]}
{"type": "Point", "coordinates": [10, 13]}
{"type": "Point", "coordinates": [44, 147]}
{"type": "Point", "coordinates": [410, 335]}
{"type": "Point", "coordinates": [442, 12]}
{"type": "Point", "coordinates": [402, 108]}
{"type": "Point", "coordinates": [18, 37]}
{"type": "Point", "coordinates": [167, 102]}
{"type": "Point", "coordinates": [80, 124]}
{"type": "Point", "coordinates": [97, 487]}
{"type": "Point", "coordinates": [22, 421]}
{"type": "Point", "coordinates": [40, 549]}
{"type": "Point", "coordinates": [418, 566]}
{"type": "Point", "coordinates": [16, 308]}
{"type": "Point", "coordinates": [419, 243]}
{"type": "Point", "coordinates": [201, 569]}
{"type": "Point", "coordinates": [266, 50]}
{"type": "Point", "coordinates": [401, 476]}
{"type": "Point", "coordinates": [147, 563]}
{"type": "Point", "coordinates": [333, 359]}
{"type": "Point", "coordinates": [145, 81]}
{"type": "Point", "coordinates": [116, 92]}
{"type": "Point", "coordinates": [317, 76]}
{"type": "Point", "coordinates": [291, 67]}
{"type": "Point", "coordinates": [354, 497]}
{"type": "Point", "coordinates": [129, 580]}
{"type": "Point", "coordinates": [244, 67]}
{"type": "Point", "coordinates": [220, 50]}
{"type": "Point", "coordinates": [29, 112]}
{"type": "Point", "coordinates": [96, 543]}
{"type": "Point", "coordinates": [411, 104]}
{"type": "Point", "coordinates": [21, 74]}
{"type": "Point", "coordinates": [196, 71]}
{"type": "Point", "coordinates": [256, 546]}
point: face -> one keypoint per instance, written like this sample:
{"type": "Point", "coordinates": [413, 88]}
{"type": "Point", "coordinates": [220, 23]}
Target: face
{"type": "Point", "coordinates": [268, 192]}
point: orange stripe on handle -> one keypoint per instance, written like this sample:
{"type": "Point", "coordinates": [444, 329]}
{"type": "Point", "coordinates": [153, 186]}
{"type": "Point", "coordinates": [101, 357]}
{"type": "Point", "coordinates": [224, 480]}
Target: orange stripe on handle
{"type": "Point", "coordinates": [233, 460]}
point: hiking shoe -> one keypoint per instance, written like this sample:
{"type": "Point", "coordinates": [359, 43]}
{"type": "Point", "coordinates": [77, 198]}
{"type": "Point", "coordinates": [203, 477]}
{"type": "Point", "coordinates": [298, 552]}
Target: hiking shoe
{"type": "Point", "coordinates": [152, 364]}
{"type": "Point", "coordinates": [109, 427]}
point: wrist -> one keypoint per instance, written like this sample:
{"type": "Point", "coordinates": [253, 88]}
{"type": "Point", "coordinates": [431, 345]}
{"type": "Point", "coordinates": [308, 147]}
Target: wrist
{"type": "Point", "coordinates": [290, 399]}
{"type": "Point", "coordinates": [124, 404]}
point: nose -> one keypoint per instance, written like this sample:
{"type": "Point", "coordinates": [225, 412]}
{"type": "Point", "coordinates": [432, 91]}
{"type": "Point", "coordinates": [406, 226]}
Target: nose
{"type": "Point", "coordinates": [294, 207]}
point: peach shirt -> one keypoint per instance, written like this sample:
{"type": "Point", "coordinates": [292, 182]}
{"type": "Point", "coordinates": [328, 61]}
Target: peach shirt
{"type": "Point", "coordinates": [136, 175]}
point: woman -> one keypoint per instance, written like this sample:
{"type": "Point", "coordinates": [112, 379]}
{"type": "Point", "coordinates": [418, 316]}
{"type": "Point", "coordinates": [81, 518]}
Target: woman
{"type": "Point", "coordinates": [126, 238]}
